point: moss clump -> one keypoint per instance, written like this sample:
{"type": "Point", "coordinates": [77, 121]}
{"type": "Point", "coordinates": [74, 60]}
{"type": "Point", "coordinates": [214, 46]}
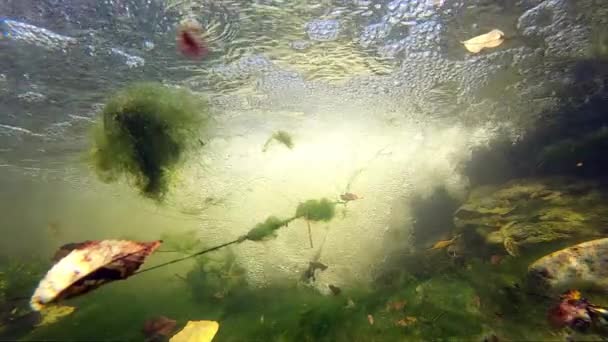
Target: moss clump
{"type": "Point", "coordinates": [282, 137]}
{"type": "Point", "coordinates": [266, 229]}
{"type": "Point", "coordinates": [143, 132]}
{"type": "Point", "coordinates": [317, 210]}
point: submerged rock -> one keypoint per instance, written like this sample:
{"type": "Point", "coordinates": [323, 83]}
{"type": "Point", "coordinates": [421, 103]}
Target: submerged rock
{"type": "Point", "coordinates": [580, 266]}
{"type": "Point", "coordinates": [531, 211]}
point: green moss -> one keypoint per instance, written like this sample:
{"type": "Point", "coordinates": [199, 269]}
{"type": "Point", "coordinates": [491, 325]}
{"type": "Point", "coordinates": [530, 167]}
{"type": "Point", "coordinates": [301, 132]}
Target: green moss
{"type": "Point", "coordinates": [317, 210]}
{"type": "Point", "coordinates": [143, 132]}
{"type": "Point", "coordinates": [266, 229]}
{"type": "Point", "coordinates": [215, 276]}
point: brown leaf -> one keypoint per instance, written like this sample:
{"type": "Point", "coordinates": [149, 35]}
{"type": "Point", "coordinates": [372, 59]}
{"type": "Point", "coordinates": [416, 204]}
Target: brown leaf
{"type": "Point", "coordinates": [89, 265]}
{"type": "Point", "coordinates": [488, 40]}
{"type": "Point", "coordinates": [159, 326]}
{"type": "Point", "coordinates": [409, 320]}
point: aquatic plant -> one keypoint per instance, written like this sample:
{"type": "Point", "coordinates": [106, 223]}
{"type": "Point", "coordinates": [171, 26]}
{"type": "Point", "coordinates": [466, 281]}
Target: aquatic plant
{"type": "Point", "coordinates": [266, 229]}
{"type": "Point", "coordinates": [215, 277]}
{"type": "Point", "coordinates": [282, 137]}
{"type": "Point", "coordinates": [316, 210]}
{"type": "Point", "coordinates": [143, 132]}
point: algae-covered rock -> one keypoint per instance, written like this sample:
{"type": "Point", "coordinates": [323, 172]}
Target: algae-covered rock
{"type": "Point", "coordinates": [531, 211]}
{"type": "Point", "coordinates": [143, 133]}
{"type": "Point", "coordinates": [584, 265]}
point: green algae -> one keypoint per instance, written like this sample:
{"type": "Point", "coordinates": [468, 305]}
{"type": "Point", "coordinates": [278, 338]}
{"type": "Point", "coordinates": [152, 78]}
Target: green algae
{"type": "Point", "coordinates": [444, 306]}
{"type": "Point", "coordinates": [317, 210]}
{"type": "Point", "coordinates": [266, 229]}
{"type": "Point", "coordinates": [143, 132]}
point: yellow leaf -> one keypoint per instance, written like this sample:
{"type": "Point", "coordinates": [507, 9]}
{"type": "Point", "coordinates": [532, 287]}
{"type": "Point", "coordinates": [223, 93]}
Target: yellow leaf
{"type": "Point", "coordinates": [53, 313]}
{"type": "Point", "coordinates": [197, 331]}
{"type": "Point", "coordinates": [489, 40]}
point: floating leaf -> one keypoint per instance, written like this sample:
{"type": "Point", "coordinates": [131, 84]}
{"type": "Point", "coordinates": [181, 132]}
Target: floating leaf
{"type": "Point", "coordinates": [197, 331]}
{"type": "Point", "coordinates": [488, 40]}
{"type": "Point", "coordinates": [53, 313]}
{"type": "Point", "coordinates": [88, 266]}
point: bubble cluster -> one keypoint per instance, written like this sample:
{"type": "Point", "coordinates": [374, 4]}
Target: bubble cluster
{"type": "Point", "coordinates": [323, 30]}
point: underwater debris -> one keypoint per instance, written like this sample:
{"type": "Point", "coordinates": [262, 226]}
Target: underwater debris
{"type": "Point", "coordinates": [143, 132]}
{"type": "Point", "coordinates": [280, 136]}
{"type": "Point", "coordinates": [445, 243]}
{"type": "Point", "coordinates": [190, 39]}
{"type": "Point", "coordinates": [406, 321]}
{"type": "Point", "coordinates": [197, 331]}
{"type": "Point", "coordinates": [584, 264]}
{"type": "Point", "coordinates": [158, 327]}
{"type": "Point", "coordinates": [313, 266]}
{"type": "Point", "coordinates": [577, 313]}
{"type": "Point", "coordinates": [488, 40]}
{"type": "Point", "coordinates": [334, 289]}
{"type": "Point", "coordinates": [349, 196]}
{"type": "Point", "coordinates": [89, 266]}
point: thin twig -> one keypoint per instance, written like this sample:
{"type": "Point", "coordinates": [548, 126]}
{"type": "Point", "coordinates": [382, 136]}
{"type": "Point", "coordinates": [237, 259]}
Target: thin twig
{"type": "Point", "coordinates": [190, 256]}
{"type": "Point", "coordinates": [309, 234]}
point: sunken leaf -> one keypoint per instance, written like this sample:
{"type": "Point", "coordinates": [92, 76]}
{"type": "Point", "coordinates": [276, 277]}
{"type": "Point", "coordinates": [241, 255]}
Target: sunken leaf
{"type": "Point", "coordinates": [488, 40]}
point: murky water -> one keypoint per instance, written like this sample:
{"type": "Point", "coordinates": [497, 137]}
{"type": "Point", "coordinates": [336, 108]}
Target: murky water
{"type": "Point", "coordinates": [382, 100]}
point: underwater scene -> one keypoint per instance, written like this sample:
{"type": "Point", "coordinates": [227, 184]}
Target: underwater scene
{"type": "Point", "coordinates": [303, 170]}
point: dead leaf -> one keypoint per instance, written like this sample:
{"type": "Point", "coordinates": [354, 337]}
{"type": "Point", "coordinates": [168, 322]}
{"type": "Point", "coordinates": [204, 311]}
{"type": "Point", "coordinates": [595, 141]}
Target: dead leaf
{"type": "Point", "coordinates": [370, 319]}
{"type": "Point", "coordinates": [488, 40]}
{"type": "Point", "coordinates": [159, 326]}
{"type": "Point", "coordinates": [409, 320]}
{"type": "Point", "coordinates": [53, 313]}
{"type": "Point", "coordinates": [89, 265]}
{"type": "Point", "coordinates": [197, 331]}
{"type": "Point", "coordinates": [444, 243]}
